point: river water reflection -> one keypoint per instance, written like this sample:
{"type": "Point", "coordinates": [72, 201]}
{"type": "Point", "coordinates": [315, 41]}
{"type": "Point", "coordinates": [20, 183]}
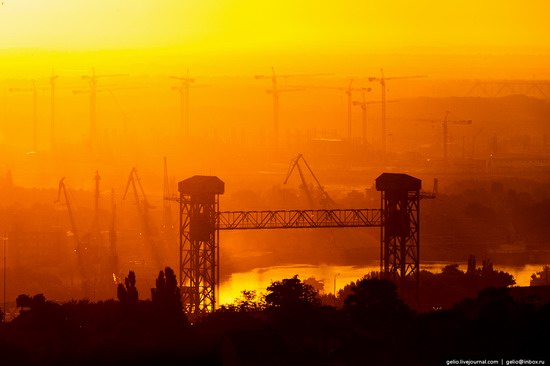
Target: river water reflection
{"type": "Point", "coordinates": [260, 278]}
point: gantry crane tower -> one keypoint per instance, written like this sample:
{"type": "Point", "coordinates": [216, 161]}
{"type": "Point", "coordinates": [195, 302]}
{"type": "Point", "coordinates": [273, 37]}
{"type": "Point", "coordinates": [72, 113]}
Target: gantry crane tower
{"type": "Point", "coordinates": [275, 93]}
{"type": "Point", "coordinates": [325, 198]}
{"type": "Point", "coordinates": [383, 79]}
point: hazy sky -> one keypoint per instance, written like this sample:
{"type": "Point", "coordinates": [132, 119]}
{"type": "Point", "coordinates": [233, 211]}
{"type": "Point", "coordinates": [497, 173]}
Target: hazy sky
{"type": "Point", "coordinates": [254, 26]}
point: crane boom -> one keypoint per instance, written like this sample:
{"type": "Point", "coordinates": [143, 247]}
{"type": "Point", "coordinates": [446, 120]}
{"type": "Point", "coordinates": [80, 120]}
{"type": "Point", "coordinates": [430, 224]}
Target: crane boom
{"type": "Point", "coordinates": [295, 163]}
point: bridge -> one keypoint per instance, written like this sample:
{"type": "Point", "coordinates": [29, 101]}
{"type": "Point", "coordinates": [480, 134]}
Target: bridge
{"type": "Point", "coordinates": [201, 222]}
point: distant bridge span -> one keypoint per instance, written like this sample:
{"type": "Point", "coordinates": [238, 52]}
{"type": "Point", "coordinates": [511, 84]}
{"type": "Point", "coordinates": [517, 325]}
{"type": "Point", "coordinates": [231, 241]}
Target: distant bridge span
{"type": "Point", "coordinates": [201, 222]}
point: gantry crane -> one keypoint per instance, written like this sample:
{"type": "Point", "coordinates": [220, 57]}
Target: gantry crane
{"type": "Point", "coordinates": [445, 124]}
{"type": "Point", "coordinates": [325, 198]}
{"type": "Point", "coordinates": [93, 90]}
{"type": "Point", "coordinates": [275, 92]}
{"type": "Point", "coordinates": [383, 79]}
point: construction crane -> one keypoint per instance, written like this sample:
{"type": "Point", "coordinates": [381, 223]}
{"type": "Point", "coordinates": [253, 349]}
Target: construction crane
{"type": "Point", "coordinates": [275, 92]}
{"type": "Point", "coordinates": [167, 207]}
{"type": "Point", "coordinates": [349, 93]}
{"type": "Point", "coordinates": [383, 79]}
{"type": "Point", "coordinates": [53, 78]}
{"type": "Point", "coordinates": [325, 198]}
{"type": "Point", "coordinates": [363, 104]}
{"type": "Point", "coordinates": [445, 124]}
{"type": "Point", "coordinates": [34, 90]}
{"type": "Point", "coordinates": [93, 90]}
{"type": "Point", "coordinates": [183, 89]}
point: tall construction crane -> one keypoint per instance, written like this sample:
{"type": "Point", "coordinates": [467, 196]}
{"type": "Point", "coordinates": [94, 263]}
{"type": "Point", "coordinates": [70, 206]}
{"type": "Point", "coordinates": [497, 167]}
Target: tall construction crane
{"type": "Point", "coordinates": [349, 90]}
{"type": "Point", "coordinates": [363, 104]}
{"type": "Point", "coordinates": [93, 90]}
{"type": "Point", "coordinates": [183, 89]}
{"type": "Point", "coordinates": [445, 124]}
{"type": "Point", "coordinates": [295, 163]}
{"type": "Point", "coordinates": [53, 78]}
{"type": "Point", "coordinates": [275, 93]}
{"type": "Point", "coordinates": [383, 79]}
{"type": "Point", "coordinates": [34, 90]}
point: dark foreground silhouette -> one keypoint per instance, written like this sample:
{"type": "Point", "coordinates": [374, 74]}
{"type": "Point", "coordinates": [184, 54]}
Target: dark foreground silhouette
{"type": "Point", "coordinates": [286, 326]}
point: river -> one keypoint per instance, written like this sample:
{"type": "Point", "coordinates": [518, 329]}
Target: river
{"type": "Point", "coordinates": [260, 278]}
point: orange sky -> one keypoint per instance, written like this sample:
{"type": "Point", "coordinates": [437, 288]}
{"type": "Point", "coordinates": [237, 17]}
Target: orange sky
{"type": "Point", "coordinates": [202, 30]}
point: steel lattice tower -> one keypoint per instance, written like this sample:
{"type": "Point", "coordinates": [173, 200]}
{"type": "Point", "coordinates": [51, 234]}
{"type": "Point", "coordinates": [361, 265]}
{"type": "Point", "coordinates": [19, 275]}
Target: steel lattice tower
{"type": "Point", "coordinates": [199, 255]}
{"type": "Point", "coordinates": [400, 230]}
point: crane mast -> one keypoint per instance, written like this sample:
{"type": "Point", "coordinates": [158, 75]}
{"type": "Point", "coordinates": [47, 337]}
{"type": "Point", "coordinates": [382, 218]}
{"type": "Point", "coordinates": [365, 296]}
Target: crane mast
{"type": "Point", "coordinates": [383, 79]}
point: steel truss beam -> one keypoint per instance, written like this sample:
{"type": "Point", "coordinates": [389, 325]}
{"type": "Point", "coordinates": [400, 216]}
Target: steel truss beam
{"type": "Point", "coordinates": [295, 219]}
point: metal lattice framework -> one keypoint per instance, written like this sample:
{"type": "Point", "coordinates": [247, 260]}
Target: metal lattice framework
{"type": "Point", "coordinates": [199, 271]}
{"type": "Point", "coordinates": [295, 219]}
{"type": "Point", "coordinates": [201, 221]}
{"type": "Point", "coordinates": [400, 250]}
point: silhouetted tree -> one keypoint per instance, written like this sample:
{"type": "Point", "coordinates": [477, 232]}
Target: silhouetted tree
{"type": "Point", "coordinates": [291, 293]}
{"type": "Point", "coordinates": [128, 293]}
{"type": "Point", "coordinates": [374, 302]}
{"type": "Point", "coordinates": [166, 297]}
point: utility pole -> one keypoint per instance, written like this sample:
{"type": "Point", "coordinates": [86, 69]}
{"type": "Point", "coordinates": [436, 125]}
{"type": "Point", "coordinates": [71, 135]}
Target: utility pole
{"type": "Point", "coordinates": [383, 79]}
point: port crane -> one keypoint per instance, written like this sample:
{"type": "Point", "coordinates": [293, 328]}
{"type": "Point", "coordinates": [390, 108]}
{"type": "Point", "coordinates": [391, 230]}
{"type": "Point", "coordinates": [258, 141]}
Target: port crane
{"type": "Point", "coordinates": [82, 243]}
{"type": "Point", "coordinates": [275, 93]}
{"type": "Point", "coordinates": [383, 79]}
{"type": "Point", "coordinates": [143, 205]}
{"type": "Point", "coordinates": [295, 164]}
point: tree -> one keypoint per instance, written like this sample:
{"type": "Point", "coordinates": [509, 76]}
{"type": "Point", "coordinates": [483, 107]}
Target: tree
{"type": "Point", "coordinates": [128, 293]}
{"type": "Point", "coordinates": [166, 296]}
{"type": "Point", "coordinates": [291, 293]}
{"type": "Point", "coordinates": [375, 302]}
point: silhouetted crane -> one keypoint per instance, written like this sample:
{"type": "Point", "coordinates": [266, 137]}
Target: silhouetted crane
{"type": "Point", "coordinates": [93, 90]}
{"type": "Point", "coordinates": [34, 90]}
{"type": "Point", "coordinates": [183, 89]}
{"type": "Point", "coordinates": [445, 124]}
{"type": "Point", "coordinates": [295, 163]}
{"type": "Point", "coordinates": [383, 79]}
{"type": "Point", "coordinates": [275, 92]}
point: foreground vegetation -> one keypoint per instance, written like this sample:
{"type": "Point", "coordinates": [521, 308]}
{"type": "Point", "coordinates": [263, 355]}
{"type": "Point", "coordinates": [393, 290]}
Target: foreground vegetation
{"type": "Point", "coordinates": [289, 324]}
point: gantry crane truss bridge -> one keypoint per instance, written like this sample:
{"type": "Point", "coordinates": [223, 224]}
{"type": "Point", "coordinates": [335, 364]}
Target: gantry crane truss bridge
{"type": "Point", "coordinates": [201, 222]}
